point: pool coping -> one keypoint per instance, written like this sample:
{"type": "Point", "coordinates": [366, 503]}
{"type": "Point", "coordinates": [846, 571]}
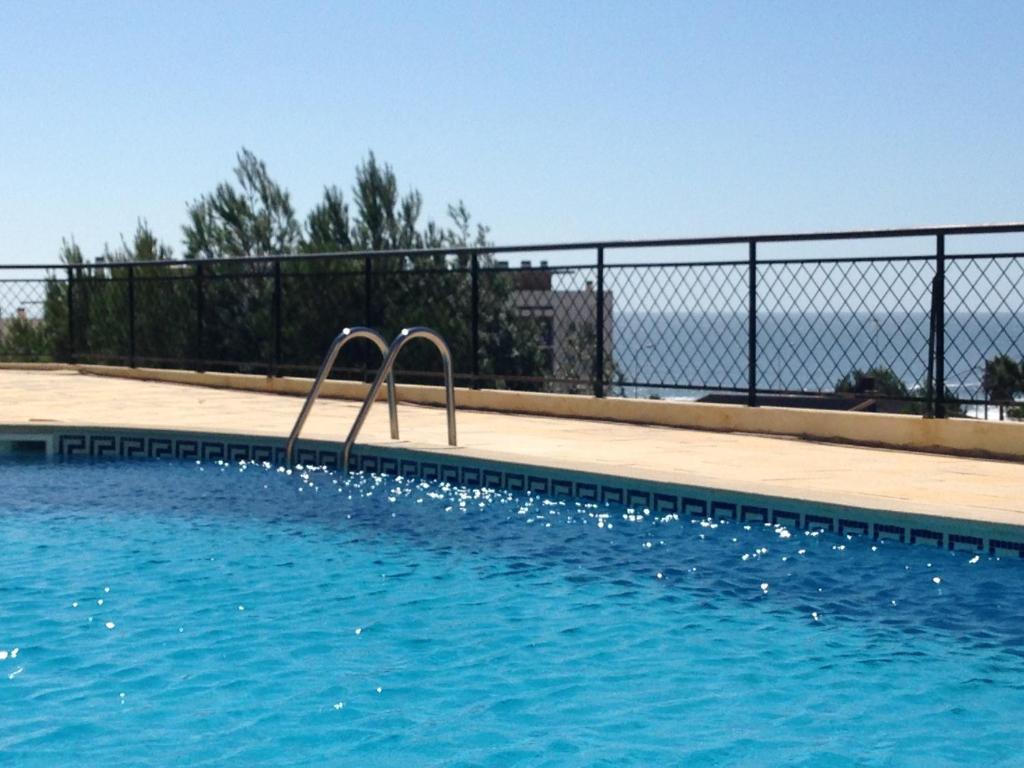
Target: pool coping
{"type": "Point", "coordinates": [951, 436]}
{"type": "Point", "coordinates": [662, 497]}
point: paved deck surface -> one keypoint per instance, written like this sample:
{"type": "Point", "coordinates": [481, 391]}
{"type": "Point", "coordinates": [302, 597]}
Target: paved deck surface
{"type": "Point", "coordinates": [900, 481]}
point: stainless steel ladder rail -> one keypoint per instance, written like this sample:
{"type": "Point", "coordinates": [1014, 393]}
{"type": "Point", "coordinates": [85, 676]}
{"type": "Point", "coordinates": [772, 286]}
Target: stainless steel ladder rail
{"type": "Point", "coordinates": [343, 338]}
{"type": "Point", "coordinates": [386, 370]}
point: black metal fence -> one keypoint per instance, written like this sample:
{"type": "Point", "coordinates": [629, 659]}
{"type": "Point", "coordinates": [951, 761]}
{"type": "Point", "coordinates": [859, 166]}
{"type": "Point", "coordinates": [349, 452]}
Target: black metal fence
{"type": "Point", "coordinates": [938, 330]}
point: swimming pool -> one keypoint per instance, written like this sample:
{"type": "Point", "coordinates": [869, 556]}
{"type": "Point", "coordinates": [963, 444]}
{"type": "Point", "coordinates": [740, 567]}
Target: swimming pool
{"type": "Point", "coordinates": [166, 612]}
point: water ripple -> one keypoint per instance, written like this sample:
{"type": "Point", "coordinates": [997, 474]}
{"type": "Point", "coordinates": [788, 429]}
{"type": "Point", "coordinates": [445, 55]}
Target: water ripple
{"type": "Point", "coordinates": [391, 620]}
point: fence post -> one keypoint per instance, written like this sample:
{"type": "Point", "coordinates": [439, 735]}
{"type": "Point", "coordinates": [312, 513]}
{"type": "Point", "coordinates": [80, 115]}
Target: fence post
{"type": "Point", "coordinates": [131, 316]}
{"type": "Point", "coordinates": [71, 315]}
{"type": "Point", "coordinates": [475, 316]}
{"type": "Point", "coordinates": [200, 312]}
{"type": "Point", "coordinates": [599, 349]}
{"type": "Point", "coordinates": [939, 391]}
{"type": "Point", "coordinates": [929, 392]}
{"type": "Point", "coordinates": [368, 291]}
{"type": "Point", "coordinates": [275, 363]}
{"type": "Point", "coordinates": [752, 328]}
{"type": "Point", "coordinates": [367, 312]}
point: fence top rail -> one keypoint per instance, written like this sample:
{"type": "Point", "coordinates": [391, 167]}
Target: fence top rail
{"type": "Point", "coordinates": [854, 234]}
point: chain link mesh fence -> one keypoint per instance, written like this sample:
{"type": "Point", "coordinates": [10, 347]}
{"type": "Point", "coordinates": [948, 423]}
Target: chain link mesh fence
{"type": "Point", "coordinates": [823, 327]}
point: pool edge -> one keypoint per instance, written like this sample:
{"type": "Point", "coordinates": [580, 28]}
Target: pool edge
{"type": "Point", "coordinates": [661, 497]}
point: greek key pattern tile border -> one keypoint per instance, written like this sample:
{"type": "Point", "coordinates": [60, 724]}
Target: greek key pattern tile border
{"type": "Point", "coordinates": [658, 499]}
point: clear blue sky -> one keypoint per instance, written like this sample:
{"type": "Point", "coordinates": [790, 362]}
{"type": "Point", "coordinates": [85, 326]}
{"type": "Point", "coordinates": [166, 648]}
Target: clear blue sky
{"type": "Point", "coordinates": [553, 121]}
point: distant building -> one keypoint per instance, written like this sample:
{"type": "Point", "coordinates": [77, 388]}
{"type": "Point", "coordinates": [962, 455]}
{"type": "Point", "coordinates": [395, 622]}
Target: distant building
{"type": "Point", "coordinates": [566, 320]}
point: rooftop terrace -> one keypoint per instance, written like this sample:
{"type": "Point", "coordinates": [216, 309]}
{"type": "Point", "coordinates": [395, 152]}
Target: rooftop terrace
{"type": "Point", "coordinates": [892, 480]}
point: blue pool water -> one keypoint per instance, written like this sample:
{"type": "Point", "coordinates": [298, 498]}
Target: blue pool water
{"type": "Point", "coordinates": [252, 617]}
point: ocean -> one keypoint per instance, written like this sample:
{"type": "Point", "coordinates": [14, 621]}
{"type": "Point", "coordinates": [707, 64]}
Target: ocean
{"type": "Point", "coordinates": [688, 354]}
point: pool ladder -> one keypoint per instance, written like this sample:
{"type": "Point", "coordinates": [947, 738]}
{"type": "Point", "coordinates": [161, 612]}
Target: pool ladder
{"type": "Point", "coordinates": [386, 371]}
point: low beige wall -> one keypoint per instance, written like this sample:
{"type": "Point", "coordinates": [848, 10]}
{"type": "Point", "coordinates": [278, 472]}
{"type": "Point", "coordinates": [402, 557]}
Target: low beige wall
{"type": "Point", "coordinates": [956, 436]}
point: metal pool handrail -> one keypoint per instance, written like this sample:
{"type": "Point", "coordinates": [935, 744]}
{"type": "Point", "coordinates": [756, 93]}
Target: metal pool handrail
{"type": "Point", "coordinates": [403, 338]}
{"type": "Point", "coordinates": [343, 338]}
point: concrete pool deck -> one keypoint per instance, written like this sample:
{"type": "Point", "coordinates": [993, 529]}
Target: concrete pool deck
{"type": "Point", "coordinates": [980, 490]}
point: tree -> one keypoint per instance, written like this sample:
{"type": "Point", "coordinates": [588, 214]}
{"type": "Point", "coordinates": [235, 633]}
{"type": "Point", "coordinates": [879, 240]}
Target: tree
{"type": "Point", "coordinates": [22, 338]}
{"type": "Point", "coordinates": [54, 339]}
{"type": "Point", "coordinates": [70, 253]}
{"type": "Point", "coordinates": [876, 381]}
{"type": "Point", "coordinates": [384, 222]}
{"type": "Point", "coordinates": [255, 218]}
{"type": "Point", "coordinates": [950, 401]}
{"type": "Point", "coordinates": [145, 246]}
{"type": "Point", "coordinates": [251, 216]}
{"type": "Point", "coordinates": [328, 227]}
{"type": "Point", "coordinates": [880, 381]}
{"type": "Point", "coordinates": [101, 301]}
{"type": "Point", "coordinates": [164, 299]}
{"type": "Point", "coordinates": [431, 287]}
{"type": "Point", "coordinates": [1002, 379]}
{"type": "Point", "coordinates": [578, 363]}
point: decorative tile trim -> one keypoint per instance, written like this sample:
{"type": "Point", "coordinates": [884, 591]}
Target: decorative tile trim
{"type": "Point", "coordinates": [536, 484]}
{"type": "Point", "coordinates": [819, 523]}
{"type": "Point", "coordinates": [72, 445]}
{"type": "Point", "coordinates": [971, 543]}
{"type": "Point", "coordinates": [784, 517]}
{"type": "Point", "coordinates": [515, 481]}
{"type": "Point", "coordinates": [561, 488]}
{"type": "Point", "coordinates": [586, 491]}
{"type": "Point", "coordinates": [857, 527]}
{"type": "Point", "coordinates": [103, 446]}
{"type": "Point", "coordinates": [722, 509]}
{"type": "Point", "coordinates": [885, 532]}
{"type": "Point", "coordinates": [666, 504]}
{"type": "Point", "coordinates": [926, 537]}
{"type": "Point", "coordinates": [133, 448]}
{"type": "Point", "coordinates": [638, 499]}
{"type": "Point", "coordinates": [184, 449]}
{"type": "Point", "coordinates": [660, 498]}
{"type": "Point", "coordinates": [751, 514]}
{"type": "Point", "coordinates": [613, 495]}
{"type": "Point", "coordinates": [159, 448]}
{"type": "Point", "coordinates": [1006, 548]}
{"type": "Point", "coordinates": [695, 507]}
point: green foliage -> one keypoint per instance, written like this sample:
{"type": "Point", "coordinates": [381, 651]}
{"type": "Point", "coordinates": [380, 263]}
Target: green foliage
{"type": "Point", "coordinates": [23, 339]}
{"type": "Point", "coordinates": [252, 215]}
{"type": "Point", "coordinates": [255, 218]}
{"type": "Point", "coordinates": [952, 403]}
{"type": "Point", "coordinates": [434, 289]}
{"type": "Point", "coordinates": [42, 339]}
{"type": "Point", "coordinates": [144, 247]}
{"type": "Point", "coordinates": [579, 363]}
{"type": "Point", "coordinates": [69, 252]}
{"type": "Point", "coordinates": [880, 381]}
{"type": "Point", "coordinates": [1002, 378]}
{"type": "Point", "coordinates": [885, 382]}
{"type": "Point", "coordinates": [383, 221]}
{"type": "Point", "coordinates": [328, 227]}
{"type": "Point", "coordinates": [101, 302]}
